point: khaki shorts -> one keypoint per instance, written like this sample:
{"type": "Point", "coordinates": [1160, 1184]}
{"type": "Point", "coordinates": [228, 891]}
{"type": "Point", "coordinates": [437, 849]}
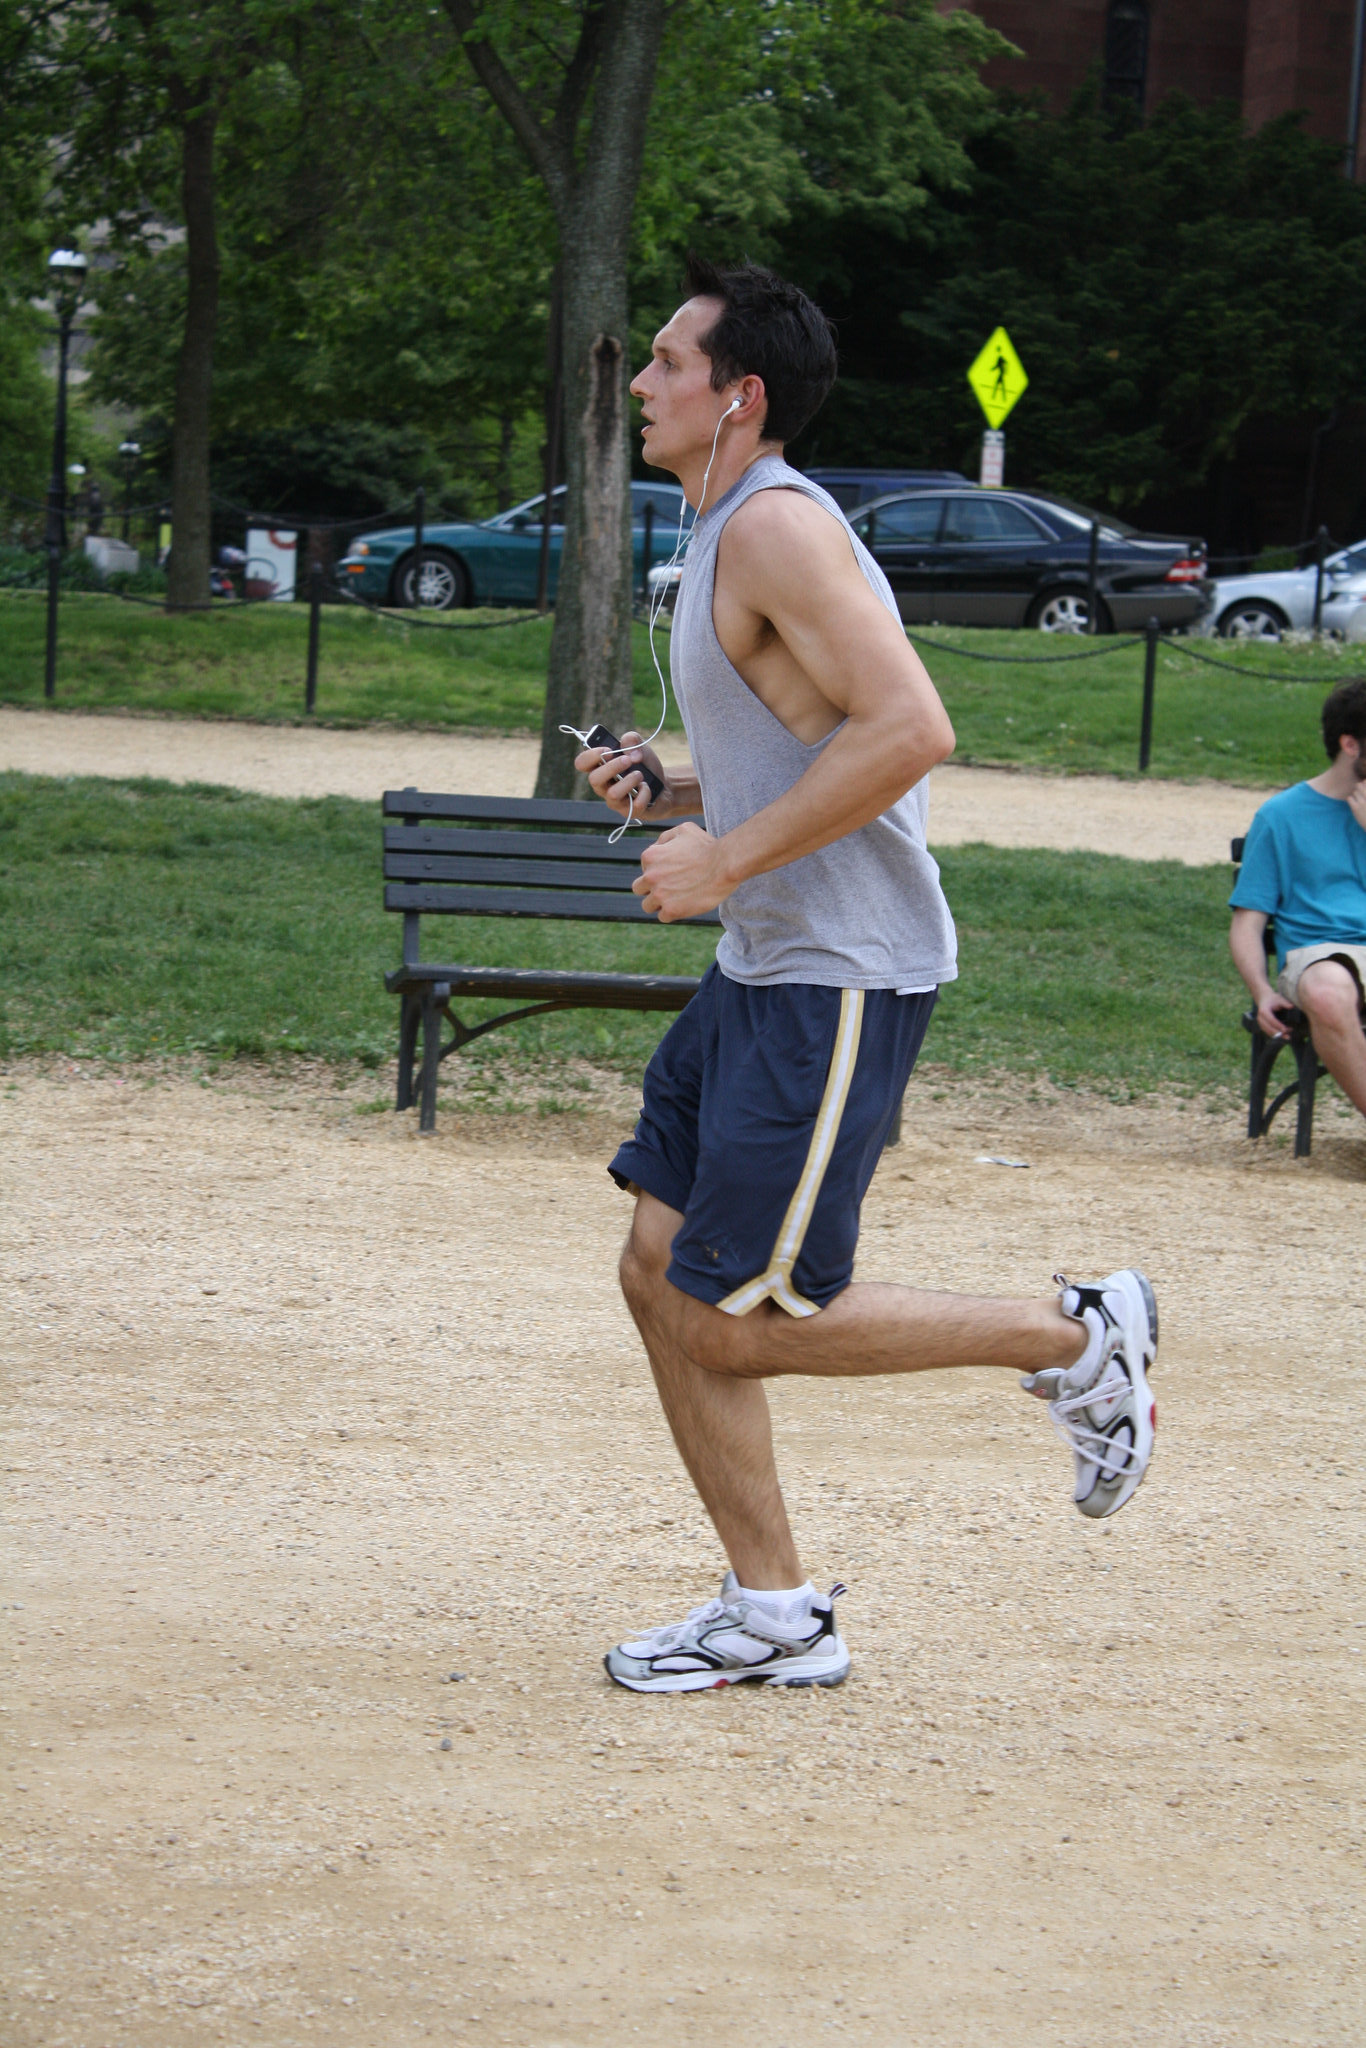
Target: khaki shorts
{"type": "Point", "coordinates": [1305, 956]}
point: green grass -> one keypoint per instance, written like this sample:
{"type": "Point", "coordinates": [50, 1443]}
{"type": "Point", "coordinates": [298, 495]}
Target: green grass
{"type": "Point", "coordinates": [249, 661]}
{"type": "Point", "coordinates": [1083, 717]}
{"type": "Point", "coordinates": [144, 920]}
{"type": "Point", "coordinates": [1078, 715]}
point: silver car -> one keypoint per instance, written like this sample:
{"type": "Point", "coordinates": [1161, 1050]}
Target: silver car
{"type": "Point", "coordinates": [1344, 613]}
{"type": "Point", "coordinates": [1262, 606]}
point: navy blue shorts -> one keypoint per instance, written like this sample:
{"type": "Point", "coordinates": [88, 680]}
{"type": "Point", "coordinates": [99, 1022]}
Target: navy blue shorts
{"type": "Point", "coordinates": [766, 1111]}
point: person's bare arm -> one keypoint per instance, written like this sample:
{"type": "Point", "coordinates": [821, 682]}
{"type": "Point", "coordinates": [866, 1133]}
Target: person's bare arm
{"type": "Point", "coordinates": [1247, 945]}
{"type": "Point", "coordinates": [796, 570]}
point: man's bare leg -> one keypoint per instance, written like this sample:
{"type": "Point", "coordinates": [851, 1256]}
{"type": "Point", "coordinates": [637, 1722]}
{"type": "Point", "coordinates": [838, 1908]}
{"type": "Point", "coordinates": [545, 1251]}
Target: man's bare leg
{"type": "Point", "coordinates": [708, 1366]}
{"type": "Point", "coordinates": [720, 1424]}
{"type": "Point", "coordinates": [1329, 996]}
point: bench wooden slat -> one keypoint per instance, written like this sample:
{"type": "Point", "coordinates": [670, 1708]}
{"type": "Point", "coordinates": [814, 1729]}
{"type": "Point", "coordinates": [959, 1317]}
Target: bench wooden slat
{"type": "Point", "coordinates": [515, 845]}
{"type": "Point", "coordinates": [542, 984]}
{"type": "Point", "coordinates": [426, 803]}
{"type": "Point", "coordinates": [513, 874]}
{"type": "Point", "coordinates": [604, 906]}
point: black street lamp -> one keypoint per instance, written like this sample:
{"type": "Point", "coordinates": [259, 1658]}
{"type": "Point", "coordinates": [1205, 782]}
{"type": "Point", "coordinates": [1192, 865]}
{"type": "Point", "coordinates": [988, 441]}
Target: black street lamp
{"type": "Point", "coordinates": [130, 451]}
{"type": "Point", "coordinates": [66, 270]}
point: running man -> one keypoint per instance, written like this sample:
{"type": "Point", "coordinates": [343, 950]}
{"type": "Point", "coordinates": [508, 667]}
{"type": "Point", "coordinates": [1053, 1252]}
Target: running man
{"type": "Point", "coordinates": [813, 726]}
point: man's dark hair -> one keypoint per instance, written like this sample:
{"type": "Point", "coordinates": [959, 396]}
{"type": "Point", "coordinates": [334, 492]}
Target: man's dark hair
{"type": "Point", "coordinates": [1344, 711]}
{"type": "Point", "coordinates": [770, 329]}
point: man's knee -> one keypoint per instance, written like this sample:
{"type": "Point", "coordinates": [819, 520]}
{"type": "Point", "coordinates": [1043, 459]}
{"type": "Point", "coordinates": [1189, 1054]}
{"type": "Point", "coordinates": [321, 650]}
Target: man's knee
{"type": "Point", "coordinates": [645, 1255]}
{"type": "Point", "coordinates": [722, 1343]}
{"type": "Point", "coordinates": [1328, 993]}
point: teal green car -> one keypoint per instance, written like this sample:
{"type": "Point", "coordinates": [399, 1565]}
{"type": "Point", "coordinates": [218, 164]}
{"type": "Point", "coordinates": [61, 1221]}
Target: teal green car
{"type": "Point", "coordinates": [495, 561]}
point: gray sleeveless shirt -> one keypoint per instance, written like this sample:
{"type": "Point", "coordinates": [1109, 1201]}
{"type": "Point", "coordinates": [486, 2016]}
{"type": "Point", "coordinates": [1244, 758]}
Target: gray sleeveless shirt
{"type": "Point", "coordinates": [865, 912]}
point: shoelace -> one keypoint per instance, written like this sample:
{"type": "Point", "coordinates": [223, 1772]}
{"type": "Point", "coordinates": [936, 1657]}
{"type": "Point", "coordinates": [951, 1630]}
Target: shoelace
{"type": "Point", "coordinates": [671, 1634]}
{"type": "Point", "coordinates": [1086, 1440]}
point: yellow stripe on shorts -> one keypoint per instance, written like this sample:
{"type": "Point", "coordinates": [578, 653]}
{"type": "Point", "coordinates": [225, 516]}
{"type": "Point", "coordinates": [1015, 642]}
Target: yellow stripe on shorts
{"type": "Point", "coordinates": [776, 1283]}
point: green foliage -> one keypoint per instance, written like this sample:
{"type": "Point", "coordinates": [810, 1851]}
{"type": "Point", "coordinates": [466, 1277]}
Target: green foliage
{"type": "Point", "coordinates": [387, 252]}
{"type": "Point", "coordinates": [382, 304]}
{"type": "Point", "coordinates": [26, 569]}
{"type": "Point", "coordinates": [25, 392]}
{"type": "Point", "coordinates": [25, 409]}
{"type": "Point", "coordinates": [1162, 282]}
{"type": "Point", "coordinates": [829, 120]}
{"type": "Point", "coordinates": [145, 921]}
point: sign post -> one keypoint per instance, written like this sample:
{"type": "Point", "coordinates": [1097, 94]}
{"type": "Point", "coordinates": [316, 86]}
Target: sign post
{"type": "Point", "coordinates": [998, 380]}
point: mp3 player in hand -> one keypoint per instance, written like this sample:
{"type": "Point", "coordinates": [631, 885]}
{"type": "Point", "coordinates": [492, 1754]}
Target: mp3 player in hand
{"type": "Point", "coordinates": [600, 737]}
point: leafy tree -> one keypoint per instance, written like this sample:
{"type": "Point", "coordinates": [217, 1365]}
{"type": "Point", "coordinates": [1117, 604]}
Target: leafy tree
{"type": "Point", "coordinates": [382, 308]}
{"type": "Point", "coordinates": [25, 392]}
{"type": "Point", "coordinates": [151, 81]}
{"type": "Point", "coordinates": [574, 84]}
{"type": "Point", "coordinates": [27, 116]}
{"type": "Point", "coordinates": [761, 110]}
{"type": "Point", "coordinates": [1163, 283]}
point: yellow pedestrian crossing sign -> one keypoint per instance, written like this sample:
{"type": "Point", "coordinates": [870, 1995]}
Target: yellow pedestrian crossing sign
{"type": "Point", "coordinates": [998, 377]}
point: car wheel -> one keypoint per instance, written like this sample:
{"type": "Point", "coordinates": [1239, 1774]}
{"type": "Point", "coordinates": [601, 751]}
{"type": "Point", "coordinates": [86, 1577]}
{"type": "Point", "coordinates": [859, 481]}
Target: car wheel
{"type": "Point", "coordinates": [445, 582]}
{"type": "Point", "coordinates": [1253, 619]}
{"type": "Point", "coordinates": [1064, 611]}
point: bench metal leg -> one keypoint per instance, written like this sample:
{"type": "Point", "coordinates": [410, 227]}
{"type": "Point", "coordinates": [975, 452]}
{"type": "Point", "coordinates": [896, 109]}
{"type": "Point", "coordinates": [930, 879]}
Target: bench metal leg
{"type": "Point", "coordinates": [434, 1000]}
{"type": "Point", "coordinates": [893, 1136]}
{"type": "Point", "coordinates": [1264, 1054]}
{"type": "Point", "coordinates": [1308, 1073]}
{"type": "Point", "coordinates": [1307, 1060]}
{"type": "Point", "coordinates": [410, 1016]}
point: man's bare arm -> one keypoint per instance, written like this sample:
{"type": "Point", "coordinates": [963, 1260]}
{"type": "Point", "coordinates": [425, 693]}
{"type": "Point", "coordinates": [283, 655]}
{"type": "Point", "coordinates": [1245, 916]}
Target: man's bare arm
{"type": "Point", "coordinates": [1246, 942]}
{"type": "Point", "coordinates": [794, 569]}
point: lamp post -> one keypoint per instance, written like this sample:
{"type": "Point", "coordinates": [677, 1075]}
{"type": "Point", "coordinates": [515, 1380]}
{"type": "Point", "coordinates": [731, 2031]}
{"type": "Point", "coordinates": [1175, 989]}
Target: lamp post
{"type": "Point", "coordinates": [66, 270]}
{"type": "Point", "coordinates": [130, 451]}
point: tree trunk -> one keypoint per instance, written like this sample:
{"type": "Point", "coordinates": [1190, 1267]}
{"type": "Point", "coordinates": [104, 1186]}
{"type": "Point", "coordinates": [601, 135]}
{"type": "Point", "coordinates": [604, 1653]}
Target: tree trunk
{"type": "Point", "coordinates": [190, 505]}
{"type": "Point", "coordinates": [590, 647]}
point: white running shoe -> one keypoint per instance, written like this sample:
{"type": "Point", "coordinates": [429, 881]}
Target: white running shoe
{"type": "Point", "coordinates": [729, 1640]}
{"type": "Point", "coordinates": [1102, 1405]}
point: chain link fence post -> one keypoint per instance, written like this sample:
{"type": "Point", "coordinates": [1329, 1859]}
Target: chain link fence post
{"type": "Point", "coordinates": [1151, 634]}
{"type": "Point", "coordinates": [315, 616]}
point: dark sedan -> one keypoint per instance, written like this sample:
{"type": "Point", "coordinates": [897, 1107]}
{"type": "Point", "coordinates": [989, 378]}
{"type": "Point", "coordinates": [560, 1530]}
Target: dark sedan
{"type": "Point", "coordinates": [977, 557]}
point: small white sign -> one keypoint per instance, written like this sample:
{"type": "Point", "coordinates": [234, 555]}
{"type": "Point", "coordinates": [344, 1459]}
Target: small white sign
{"type": "Point", "coordinates": [993, 459]}
{"type": "Point", "coordinates": [272, 555]}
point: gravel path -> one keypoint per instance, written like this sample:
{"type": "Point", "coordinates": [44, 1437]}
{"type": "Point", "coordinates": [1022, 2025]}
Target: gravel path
{"type": "Point", "coordinates": [305, 1417]}
{"type": "Point", "coordinates": [1185, 821]}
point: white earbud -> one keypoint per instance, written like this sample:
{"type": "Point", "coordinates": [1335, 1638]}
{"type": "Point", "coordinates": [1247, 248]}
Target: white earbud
{"type": "Point", "coordinates": [735, 405]}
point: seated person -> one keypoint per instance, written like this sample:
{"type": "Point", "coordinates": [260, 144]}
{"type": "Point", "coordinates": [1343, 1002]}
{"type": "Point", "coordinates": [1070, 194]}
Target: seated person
{"type": "Point", "coordinates": [1305, 865]}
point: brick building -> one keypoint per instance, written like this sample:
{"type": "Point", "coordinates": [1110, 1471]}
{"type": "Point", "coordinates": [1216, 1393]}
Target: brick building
{"type": "Point", "coordinates": [1271, 56]}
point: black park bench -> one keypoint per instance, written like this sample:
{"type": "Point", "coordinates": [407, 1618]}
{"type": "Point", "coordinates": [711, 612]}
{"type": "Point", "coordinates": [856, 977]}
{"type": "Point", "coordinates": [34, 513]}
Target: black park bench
{"type": "Point", "coordinates": [1266, 1051]}
{"type": "Point", "coordinates": [487, 856]}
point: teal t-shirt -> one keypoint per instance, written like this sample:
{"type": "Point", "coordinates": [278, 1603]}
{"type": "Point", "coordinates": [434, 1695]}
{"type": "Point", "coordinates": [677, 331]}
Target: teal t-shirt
{"type": "Point", "coordinates": [1305, 865]}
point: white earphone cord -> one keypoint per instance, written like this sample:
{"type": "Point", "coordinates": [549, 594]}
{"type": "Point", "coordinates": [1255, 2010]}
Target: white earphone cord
{"type": "Point", "coordinates": [656, 606]}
